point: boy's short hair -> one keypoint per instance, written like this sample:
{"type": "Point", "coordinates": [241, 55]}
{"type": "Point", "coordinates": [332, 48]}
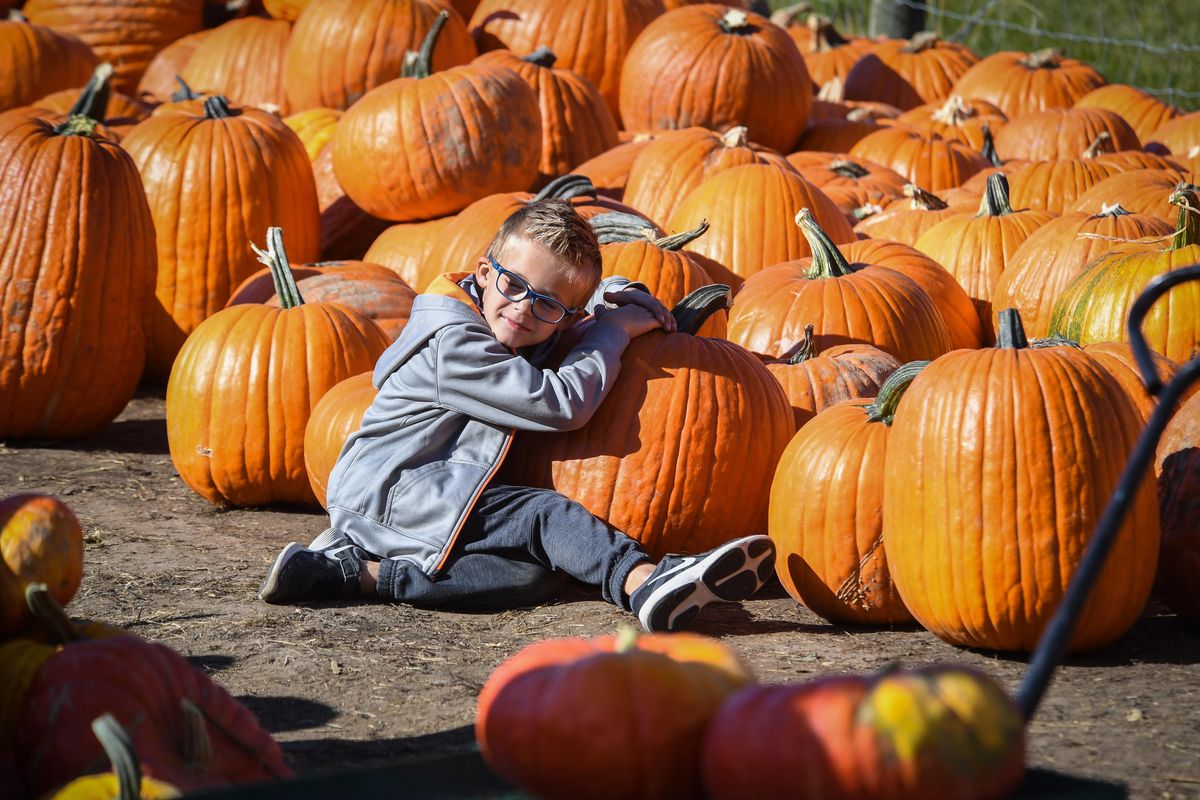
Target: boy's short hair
{"type": "Point", "coordinates": [557, 226]}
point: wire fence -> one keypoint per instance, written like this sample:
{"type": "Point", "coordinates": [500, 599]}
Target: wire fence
{"type": "Point", "coordinates": [1151, 44]}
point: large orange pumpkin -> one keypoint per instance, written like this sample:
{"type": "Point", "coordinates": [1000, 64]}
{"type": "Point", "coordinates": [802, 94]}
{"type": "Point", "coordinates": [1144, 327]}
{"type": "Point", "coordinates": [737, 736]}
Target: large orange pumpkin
{"type": "Point", "coordinates": [346, 230]}
{"type": "Point", "coordinates": [715, 67]}
{"type": "Point", "coordinates": [907, 74]}
{"type": "Point", "coordinates": [40, 542]}
{"type": "Point", "coordinates": [255, 173]}
{"type": "Point", "coordinates": [1118, 360]}
{"type": "Point", "coordinates": [826, 52]}
{"type": "Point", "coordinates": [429, 144]}
{"type": "Point", "coordinates": [1058, 251]}
{"type": "Point", "coordinates": [39, 60]}
{"type": "Point", "coordinates": [941, 732]}
{"type": "Point", "coordinates": [576, 123]}
{"type": "Point", "coordinates": [336, 415]}
{"type": "Point", "coordinates": [590, 37]}
{"type": "Point", "coordinates": [975, 248]}
{"type": "Point", "coordinates": [609, 171]}
{"type": "Point", "coordinates": [904, 220]}
{"type": "Point", "coordinates": [407, 248]}
{"type": "Point", "coordinates": [1043, 435]}
{"type": "Point", "coordinates": [1055, 185]}
{"type": "Point", "coordinates": [956, 119]}
{"type": "Point", "coordinates": [680, 454]}
{"type": "Point", "coordinates": [1021, 83]}
{"type": "Point", "coordinates": [749, 210]}
{"type": "Point", "coordinates": [77, 268]}
{"type": "Point", "coordinates": [847, 303]}
{"type": "Point", "coordinates": [1146, 191]}
{"type": "Point", "coordinates": [1063, 133]}
{"type": "Point", "coordinates": [629, 696]}
{"type": "Point", "coordinates": [851, 184]}
{"type": "Point", "coordinates": [342, 49]}
{"type": "Point", "coordinates": [243, 387]}
{"type": "Point", "coordinates": [158, 82]}
{"type": "Point", "coordinates": [243, 60]}
{"type": "Point", "coordinates": [1144, 112]}
{"type": "Point", "coordinates": [1094, 306]}
{"type": "Point", "coordinates": [925, 159]}
{"type": "Point", "coordinates": [1180, 135]}
{"type": "Point", "coordinates": [126, 33]}
{"type": "Point", "coordinates": [676, 162]}
{"type": "Point", "coordinates": [659, 263]}
{"type": "Point", "coordinates": [1178, 465]}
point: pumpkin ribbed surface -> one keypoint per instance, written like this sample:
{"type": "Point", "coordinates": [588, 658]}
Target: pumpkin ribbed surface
{"type": "Point", "coordinates": [815, 382]}
{"type": "Point", "coordinates": [243, 60]}
{"type": "Point", "coordinates": [1118, 360]}
{"type": "Point", "coordinates": [925, 159]}
{"type": "Point", "coordinates": [76, 270]}
{"type": "Point", "coordinates": [1140, 192]}
{"type": "Point", "coordinates": [670, 275]}
{"type": "Point", "coordinates": [158, 81]}
{"type": "Point", "coordinates": [1055, 185]}
{"type": "Point", "coordinates": [39, 60]}
{"type": "Point", "coordinates": [1004, 460]}
{"type": "Point", "coordinates": [1022, 83]}
{"type": "Point", "coordinates": [680, 454]}
{"type": "Point", "coordinates": [255, 173]}
{"type": "Point", "coordinates": [1144, 112]}
{"type": "Point", "coordinates": [336, 415]}
{"type": "Point", "coordinates": [1062, 133]}
{"type": "Point", "coordinates": [907, 74]}
{"type": "Point", "coordinates": [243, 387]}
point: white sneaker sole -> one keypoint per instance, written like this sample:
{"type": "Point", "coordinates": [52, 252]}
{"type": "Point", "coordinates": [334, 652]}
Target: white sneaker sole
{"type": "Point", "coordinates": [270, 585]}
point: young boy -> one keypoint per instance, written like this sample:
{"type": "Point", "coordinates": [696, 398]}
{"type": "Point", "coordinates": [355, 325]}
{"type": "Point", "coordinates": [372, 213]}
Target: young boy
{"type": "Point", "coordinates": [413, 515]}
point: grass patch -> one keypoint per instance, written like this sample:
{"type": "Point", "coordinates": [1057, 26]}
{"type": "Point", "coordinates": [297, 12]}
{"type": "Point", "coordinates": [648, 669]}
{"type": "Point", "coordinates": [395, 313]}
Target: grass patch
{"type": "Point", "coordinates": [1154, 44]}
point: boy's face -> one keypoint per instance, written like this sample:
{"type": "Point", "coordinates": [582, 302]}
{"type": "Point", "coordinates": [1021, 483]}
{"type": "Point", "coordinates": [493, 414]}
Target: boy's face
{"type": "Point", "coordinates": [514, 323]}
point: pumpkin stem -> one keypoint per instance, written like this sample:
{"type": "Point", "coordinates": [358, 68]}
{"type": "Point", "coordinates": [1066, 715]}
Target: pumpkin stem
{"type": "Point", "coordinates": [921, 42]}
{"type": "Point", "coordinates": [923, 200]}
{"type": "Point", "coordinates": [834, 91]}
{"type": "Point", "coordinates": [197, 745]}
{"type": "Point", "coordinates": [543, 57]}
{"type": "Point", "coordinates": [825, 37]}
{"type": "Point", "coordinates": [883, 408]}
{"type": "Point", "coordinates": [627, 637]}
{"type": "Point", "coordinates": [567, 187]}
{"type": "Point", "coordinates": [694, 310]}
{"type": "Point", "coordinates": [995, 201]}
{"type": "Point", "coordinates": [1114, 210]}
{"type": "Point", "coordinates": [954, 112]}
{"type": "Point", "coordinates": [849, 169]}
{"type": "Point", "coordinates": [827, 260]}
{"type": "Point", "coordinates": [736, 21]}
{"type": "Point", "coordinates": [184, 92]}
{"type": "Point", "coordinates": [49, 613]}
{"type": "Point", "coordinates": [275, 259]}
{"type": "Point", "coordinates": [119, 749]}
{"type": "Point", "coordinates": [989, 147]}
{"type": "Point", "coordinates": [737, 136]}
{"type": "Point", "coordinates": [1010, 333]}
{"type": "Point", "coordinates": [77, 125]}
{"type": "Point", "coordinates": [1047, 58]}
{"type": "Point", "coordinates": [788, 15]}
{"type": "Point", "coordinates": [680, 240]}
{"type": "Point", "coordinates": [1187, 223]}
{"type": "Point", "coordinates": [16, 15]}
{"type": "Point", "coordinates": [420, 63]}
{"type": "Point", "coordinates": [803, 349]}
{"type": "Point", "coordinates": [866, 210]}
{"type": "Point", "coordinates": [1100, 145]}
{"type": "Point", "coordinates": [618, 226]}
{"type": "Point", "coordinates": [93, 100]}
{"type": "Point", "coordinates": [217, 107]}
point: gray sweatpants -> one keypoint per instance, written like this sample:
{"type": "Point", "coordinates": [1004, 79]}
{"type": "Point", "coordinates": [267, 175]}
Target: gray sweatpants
{"type": "Point", "coordinates": [517, 548]}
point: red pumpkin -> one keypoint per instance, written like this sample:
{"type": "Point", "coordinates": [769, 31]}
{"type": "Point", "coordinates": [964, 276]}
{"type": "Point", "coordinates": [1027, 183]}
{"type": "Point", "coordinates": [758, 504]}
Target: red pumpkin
{"type": "Point", "coordinates": [678, 682]}
{"type": "Point", "coordinates": [708, 66]}
{"type": "Point", "coordinates": [847, 303]}
{"type": "Point", "coordinates": [942, 732]}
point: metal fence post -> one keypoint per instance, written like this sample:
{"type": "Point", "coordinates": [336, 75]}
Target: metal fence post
{"type": "Point", "coordinates": [897, 19]}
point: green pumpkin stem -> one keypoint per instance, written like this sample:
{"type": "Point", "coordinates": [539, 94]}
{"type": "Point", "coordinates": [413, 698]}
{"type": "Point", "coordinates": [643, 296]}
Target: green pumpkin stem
{"type": "Point", "coordinates": [543, 57]}
{"type": "Point", "coordinates": [1102, 144]}
{"type": "Point", "coordinates": [217, 107]}
{"type": "Point", "coordinates": [1010, 333]}
{"type": "Point", "coordinates": [420, 63]}
{"type": "Point", "coordinates": [995, 201]}
{"type": "Point", "coordinates": [694, 310]}
{"type": "Point", "coordinates": [620, 227]}
{"type": "Point", "coordinates": [49, 613]}
{"type": "Point", "coordinates": [275, 259]}
{"type": "Point", "coordinates": [883, 407]}
{"type": "Point", "coordinates": [93, 100]}
{"type": "Point", "coordinates": [627, 637]}
{"type": "Point", "coordinates": [849, 169]}
{"type": "Point", "coordinates": [988, 150]}
{"type": "Point", "coordinates": [197, 745]}
{"type": "Point", "coordinates": [119, 749]}
{"type": "Point", "coordinates": [184, 92]}
{"type": "Point", "coordinates": [803, 349]}
{"type": "Point", "coordinates": [923, 200]}
{"type": "Point", "coordinates": [827, 260]}
{"type": "Point", "coordinates": [680, 240]}
{"type": "Point", "coordinates": [567, 187]}
{"type": "Point", "coordinates": [1187, 224]}
{"type": "Point", "coordinates": [77, 125]}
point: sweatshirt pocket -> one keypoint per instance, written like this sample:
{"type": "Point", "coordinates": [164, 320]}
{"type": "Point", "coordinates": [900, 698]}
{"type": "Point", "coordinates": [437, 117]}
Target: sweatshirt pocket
{"type": "Point", "coordinates": [422, 492]}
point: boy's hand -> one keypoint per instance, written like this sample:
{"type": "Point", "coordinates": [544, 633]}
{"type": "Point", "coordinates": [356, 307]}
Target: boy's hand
{"type": "Point", "coordinates": [634, 319]}
{"type": "Point", "coordinates": [636, 297]}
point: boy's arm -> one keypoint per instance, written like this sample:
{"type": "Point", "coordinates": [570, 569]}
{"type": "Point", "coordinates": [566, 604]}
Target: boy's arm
{"type": "Point", "coordinates": [615, 283]}
{"type": "Point", "coordinates": [496, 386]}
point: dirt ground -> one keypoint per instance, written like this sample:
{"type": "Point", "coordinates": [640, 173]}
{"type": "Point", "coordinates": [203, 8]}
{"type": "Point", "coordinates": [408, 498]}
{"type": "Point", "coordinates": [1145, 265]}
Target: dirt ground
{"type": "Point", "coordinates": [369, 684]}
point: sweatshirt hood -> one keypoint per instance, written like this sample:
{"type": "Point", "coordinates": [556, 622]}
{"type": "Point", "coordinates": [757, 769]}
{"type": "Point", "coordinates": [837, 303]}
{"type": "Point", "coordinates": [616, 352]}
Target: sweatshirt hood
{"type": "Point", "coordinates": [443, 303]}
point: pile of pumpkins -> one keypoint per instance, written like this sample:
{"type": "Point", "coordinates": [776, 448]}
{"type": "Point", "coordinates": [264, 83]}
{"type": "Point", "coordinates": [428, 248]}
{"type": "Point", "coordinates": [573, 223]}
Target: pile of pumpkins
{"type": "Point", "coordinates": [167, 721]}
{"type": "Point", "coordinates": [868, 203]}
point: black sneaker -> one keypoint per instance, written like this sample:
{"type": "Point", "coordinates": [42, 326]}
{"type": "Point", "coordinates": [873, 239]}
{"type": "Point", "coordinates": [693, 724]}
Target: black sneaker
{"type": "Point", "coordinates": [682, 585]}
{"type": "Point", "coordinates": [300, 575]}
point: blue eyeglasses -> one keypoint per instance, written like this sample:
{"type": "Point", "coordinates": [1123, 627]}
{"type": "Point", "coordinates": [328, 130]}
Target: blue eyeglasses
{"type": "Point", "coordinates": [514, 287]}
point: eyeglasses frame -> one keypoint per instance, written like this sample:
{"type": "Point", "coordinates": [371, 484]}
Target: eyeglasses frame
{"type": "Point", "coordinates": [532, 295]}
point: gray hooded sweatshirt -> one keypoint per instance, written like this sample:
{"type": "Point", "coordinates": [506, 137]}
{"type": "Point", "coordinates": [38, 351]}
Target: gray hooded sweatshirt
{"type": "Point", "coordinates": [450, 398]}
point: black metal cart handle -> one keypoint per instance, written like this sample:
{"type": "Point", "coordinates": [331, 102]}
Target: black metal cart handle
{"type": "Point", "coordinates": [1053, 645]}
